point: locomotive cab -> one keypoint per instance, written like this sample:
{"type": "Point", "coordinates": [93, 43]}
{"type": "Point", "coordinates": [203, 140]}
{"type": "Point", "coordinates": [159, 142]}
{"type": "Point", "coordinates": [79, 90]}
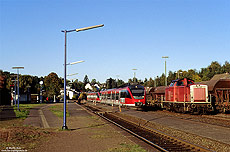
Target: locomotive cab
{"type": "Point", "coordinates": [179, 90]}
{"type": "Point", "coordinates": [138, 93]}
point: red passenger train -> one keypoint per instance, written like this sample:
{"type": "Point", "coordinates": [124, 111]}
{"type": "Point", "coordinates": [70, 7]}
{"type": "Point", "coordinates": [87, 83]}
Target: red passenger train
{"type": "Point", "coordinates": [93, 96]}
{"type": "Point", "coordinates": [130, 95]}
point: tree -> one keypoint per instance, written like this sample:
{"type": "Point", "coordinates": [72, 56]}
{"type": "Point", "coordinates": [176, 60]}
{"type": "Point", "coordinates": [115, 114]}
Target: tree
{"type": "Point", "coordinates": [86, 80]}
{"type": "Point", "coordinates": [111, 83]}
{"type": "Point", "coordinates": [190, 74]}
{"type": "Point", "coordinates": [162, 80]}
{"type": "Point", "coordinates": [204, 74]}
{"type": "Point", "coordinates": [93, 81]}
{"type": "Point", "coordinates": [4, 92]}
{"type": "Point", "coordinates": [25, 82]}
{"type": "Point", "coordinates": [214, 68]}
{"type": "Point", "coordinates": [120, 82]}
{"type": "Point", "coordinates": [157, 81]}
{"type": "Point", "coordinates": [226, 67]}
{"type": "Point", "coordinates": [150, 83]}
{"type": "Point", "coordinates": [171, 76]}
{"type": "Point", "coordinates": [196, 78]}
{"type": "Point", "coordinates": [130, 81]}
{"type": "Point", "coordinates": [78, 86]}
{"type": "Point", "coordinates": [145, 82]}
{"type": "Point", "coordinates": [52, 85]}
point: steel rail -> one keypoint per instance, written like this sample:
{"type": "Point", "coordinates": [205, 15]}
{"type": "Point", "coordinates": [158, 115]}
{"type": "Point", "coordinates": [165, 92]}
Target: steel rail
{"type": "Point", "coordinates": [131, 132]}
{"type": "Point", "coordinates": [166, 136]}
{"type": "Point", "coordinates": [153, 131]}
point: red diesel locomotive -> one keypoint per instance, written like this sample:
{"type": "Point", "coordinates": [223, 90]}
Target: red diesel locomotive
{"type": "Point", "coordinates": [182, 95]}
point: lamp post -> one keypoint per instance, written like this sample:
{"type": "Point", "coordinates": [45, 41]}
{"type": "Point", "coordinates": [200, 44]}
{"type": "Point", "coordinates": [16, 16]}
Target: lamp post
{"type": "Point", "coordinates": [178, 74]}
{"type": "Point", "coordinates": [134, 74]}
{"type": "Point", "coordinates": [18, 81]}
{"type": "Point", "coordinates": [155, 84]}
{"type": "Point", "coordinates": [165, 57]}
{"type": "Point", "coordinates": [71, 75]}
{"type": "Point", "coordinates": [41, 83]}
{"type": "Point", "coordinates": [67, 31]}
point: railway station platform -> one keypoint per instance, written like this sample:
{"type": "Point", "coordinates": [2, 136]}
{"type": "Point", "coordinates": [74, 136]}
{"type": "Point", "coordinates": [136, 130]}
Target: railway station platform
{"type": "Point", "coordinates": [86, 132]}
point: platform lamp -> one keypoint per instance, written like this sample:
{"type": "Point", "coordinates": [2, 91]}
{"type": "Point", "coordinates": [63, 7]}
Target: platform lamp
{"type": "Point", "coordinates": [18, 82]}
{"type": "Point", "coordinates": [134, 74]}
{"type": "Point", "coordinates": [68, 31]}
{"type": "Point", "coordinates": [165, 57]}
{"type": "Point", "coordinates": [72, 63]}
{"type": "Point", "coordinates": [178, 74]}
{"type": "Point", "coordinates": [41, 83]}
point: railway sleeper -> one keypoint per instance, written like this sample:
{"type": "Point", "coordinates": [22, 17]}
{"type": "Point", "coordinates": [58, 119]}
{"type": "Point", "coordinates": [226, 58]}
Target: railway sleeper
{"type": "Point", "coordinates": [156, 137]}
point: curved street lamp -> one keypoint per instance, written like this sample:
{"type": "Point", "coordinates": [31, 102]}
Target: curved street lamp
{"type": "Point", "coordinates": [72, 63]}
{"type": "Point", "coordinates": [67, 31]}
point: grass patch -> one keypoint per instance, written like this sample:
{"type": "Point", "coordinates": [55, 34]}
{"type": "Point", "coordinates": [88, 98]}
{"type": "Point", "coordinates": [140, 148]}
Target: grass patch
{"type": "Point", "coordinates": [96, 125]}
{"type": "Point", "coordinates": [127, 148]}
{"type": "Point", "coordinates": [26, 138]}
{"type": "Point", "coordinates": [100, 136]}
{"type": "Point", "coordinates": [14, 134]}
{"type": "Point", "coordinates": [58, 110]}
{"type": "Point", "coordinates": [24, 110]}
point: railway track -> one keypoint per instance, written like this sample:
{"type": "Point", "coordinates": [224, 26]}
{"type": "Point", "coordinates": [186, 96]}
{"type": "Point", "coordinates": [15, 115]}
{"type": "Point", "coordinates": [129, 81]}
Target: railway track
{"type": "Point", "coordinates": [155, 138]}
{"type": "Point", "coordinates": [207, 119]}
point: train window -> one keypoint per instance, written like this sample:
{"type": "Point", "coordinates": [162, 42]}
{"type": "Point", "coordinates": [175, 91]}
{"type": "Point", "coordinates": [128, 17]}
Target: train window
{"type": "Point", "coordinates": [122, 95]}
{"type": "Point", "coordinates": [117, 96]}
{"type": "Point", "coordinates": [172, 84]}
{"type": "Point", "coordinates": [98, 96]}
{"type": "Point", "coordinates": [138, 93]}
{"type": "Point", "coordinates": [113, 96]}
{"type": "Point", "coordinates": [125, 94]}
{"type": "Point", "coordinates": [190, 82]}
{"type": "Point", "coordinates": [180, 83]}
{"type": "Point", "coordinates": [108, 96]}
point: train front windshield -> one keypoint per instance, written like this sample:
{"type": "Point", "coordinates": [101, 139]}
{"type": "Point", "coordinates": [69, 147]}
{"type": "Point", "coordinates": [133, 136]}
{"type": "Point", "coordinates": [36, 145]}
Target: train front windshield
{"type": "Point", "coordinates": [138, 93]}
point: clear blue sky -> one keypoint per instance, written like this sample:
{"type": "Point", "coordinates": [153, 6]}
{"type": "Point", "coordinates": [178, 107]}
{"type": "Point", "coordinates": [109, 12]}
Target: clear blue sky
{"type": "Point", "coordinates": [137, 33]}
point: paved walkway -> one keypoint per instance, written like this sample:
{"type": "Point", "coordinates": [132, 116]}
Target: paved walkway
{"type": "Point", "coordinates": [88, 133]}
{"type": "Point", "coordinates": [7, 113]}
{"type": "Point", "coordinates": [42, 117]}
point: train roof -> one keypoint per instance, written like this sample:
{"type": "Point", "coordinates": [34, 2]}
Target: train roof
{"type": "Point", "coordinates": [129, 85]}
{"type": "Point", "coordinates": [160, 89]}
{"type": "Point", "coordinates": [218, 81]}
{"type": "Point", "coordinates": [181, 79]}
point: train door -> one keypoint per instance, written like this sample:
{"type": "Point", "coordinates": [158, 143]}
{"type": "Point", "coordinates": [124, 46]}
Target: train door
{"type": "Point", "coordinates": [122, 97]}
